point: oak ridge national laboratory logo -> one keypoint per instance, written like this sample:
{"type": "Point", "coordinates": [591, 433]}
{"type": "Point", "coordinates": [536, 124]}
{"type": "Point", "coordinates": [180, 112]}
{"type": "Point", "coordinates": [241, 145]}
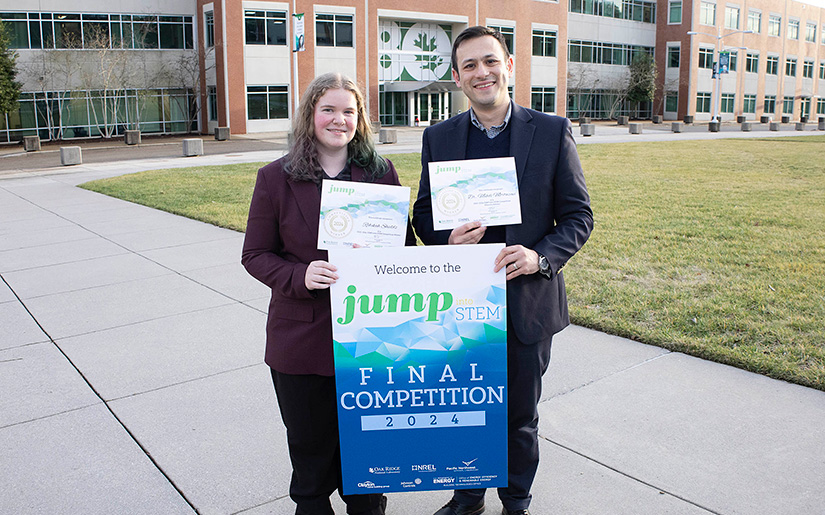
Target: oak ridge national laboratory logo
{"type": "Point", "coordinates": [338, 223]}
{"type": "Point", "coordinates": [450, 201]}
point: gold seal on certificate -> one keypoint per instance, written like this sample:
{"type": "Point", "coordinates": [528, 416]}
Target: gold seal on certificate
{"type": "Point", "coordinates": [450, 201]}
{"type": "Point", "coordinates": [484, 190]}
{"type": "Point", "coordinates": [338, 223]}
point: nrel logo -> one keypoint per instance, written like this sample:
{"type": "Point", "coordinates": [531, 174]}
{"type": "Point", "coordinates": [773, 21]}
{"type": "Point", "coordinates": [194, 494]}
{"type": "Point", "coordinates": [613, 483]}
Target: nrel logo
{"type": "Point", "coordinates": [366, 484]}
{"type": "Point", "coordinates": [443, 480]}
{"type": "Point", "coordinates": [423, 468]}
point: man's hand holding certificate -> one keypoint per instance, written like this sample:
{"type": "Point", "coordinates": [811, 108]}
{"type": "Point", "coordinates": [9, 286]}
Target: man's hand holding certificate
{"type": "Point", "coordinates": [484, 190]}
{"type": "Point", "coordinates": [364, 214]}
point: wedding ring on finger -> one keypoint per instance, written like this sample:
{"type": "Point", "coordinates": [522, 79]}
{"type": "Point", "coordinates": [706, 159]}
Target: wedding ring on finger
{"type": "Point", "coordinates": [515, 266]}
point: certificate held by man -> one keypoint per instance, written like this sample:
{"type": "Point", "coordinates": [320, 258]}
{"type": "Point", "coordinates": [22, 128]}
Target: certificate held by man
{"type": "Point", "coordinates": [484, 190]}
{"type": "Point", "coordinates": [364, 214]}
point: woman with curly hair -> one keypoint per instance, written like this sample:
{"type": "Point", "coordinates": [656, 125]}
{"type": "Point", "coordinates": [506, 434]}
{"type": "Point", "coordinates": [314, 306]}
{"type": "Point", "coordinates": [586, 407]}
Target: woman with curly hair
{"type": "Point", "coordinates": [332, 140]}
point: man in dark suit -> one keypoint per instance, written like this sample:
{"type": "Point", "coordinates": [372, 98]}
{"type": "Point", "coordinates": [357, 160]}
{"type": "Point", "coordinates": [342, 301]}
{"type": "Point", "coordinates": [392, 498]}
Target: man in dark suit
{"type": "Point", "coordinates": [556, 221]}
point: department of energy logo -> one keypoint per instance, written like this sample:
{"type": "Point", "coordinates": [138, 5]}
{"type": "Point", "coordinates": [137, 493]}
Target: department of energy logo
{"type": "Point", "coordinates": [338, 223]}
{"type": "Point", "coordinates": [450, 201]}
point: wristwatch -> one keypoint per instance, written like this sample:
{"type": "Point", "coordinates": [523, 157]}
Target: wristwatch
{"type": "Point", "coordinates": [544, 266]}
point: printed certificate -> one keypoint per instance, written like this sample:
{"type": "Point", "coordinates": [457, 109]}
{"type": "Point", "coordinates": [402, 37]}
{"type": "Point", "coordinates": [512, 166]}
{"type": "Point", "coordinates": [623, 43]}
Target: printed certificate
{"type": "Point", "coordinates": [371, 215]}
{"type": "Point", "coordinates": [484, 190]}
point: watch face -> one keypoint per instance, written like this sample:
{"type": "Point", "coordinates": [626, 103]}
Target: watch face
{"type": "Point", "coordinates": [544, 265]}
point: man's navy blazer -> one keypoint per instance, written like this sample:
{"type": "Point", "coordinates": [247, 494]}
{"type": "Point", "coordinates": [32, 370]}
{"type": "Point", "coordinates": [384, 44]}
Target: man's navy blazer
{"type": "Point", "coordinates": [555, 209]}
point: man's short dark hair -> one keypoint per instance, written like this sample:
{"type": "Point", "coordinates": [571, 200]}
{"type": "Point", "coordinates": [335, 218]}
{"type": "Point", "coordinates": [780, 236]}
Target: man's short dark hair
{"type": "Point", "coordinates": [477, 32]}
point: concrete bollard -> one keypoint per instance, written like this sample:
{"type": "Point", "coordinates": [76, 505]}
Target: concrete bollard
{"type": "Point", "coordinates": [588, 129]}
{"type": "Point", "coordinates": [192, 147]}
{"type": "Point", "coordinates": [131, 137]}
{"type": "Point", "coordinates": [657, 119]}
{"type": "Point", "coordinates": [774, 126]}
{"type": "Point", "coordinates": [31, 143]}
{"type": "Point", "coordinates": [388, 136]}
{"type": "Point", "coordinates": [676, 127]}
{"type": "Point", "coordinates": [713, 126]}
{"type": "Point", "coordinates": [70, 156]}
{"type": "Point", "coordinates": [800, 126]}
{"type": "Point", "coordinates": [746, 126]}
{"type": "Point", "coordinates": [623, 120]}
{"type": "Point", "coordinates": [635, 128]}
{"type": "Point", "coordinates": [821, 125]}
{"type": "Point", "coordinates": [765, 119]}
{"type": "Point", "coordinates": [688, 119]}
{"type": "Point", "coordinates": [222, 133]}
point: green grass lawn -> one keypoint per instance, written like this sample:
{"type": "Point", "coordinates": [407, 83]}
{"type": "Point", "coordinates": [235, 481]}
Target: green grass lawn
{"type": "Point", "coordinates": [712, 248]}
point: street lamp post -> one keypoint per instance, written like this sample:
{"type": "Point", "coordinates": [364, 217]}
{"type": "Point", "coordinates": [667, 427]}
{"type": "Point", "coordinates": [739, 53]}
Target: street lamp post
{"type": "Point", "coordinates": [718, 89]}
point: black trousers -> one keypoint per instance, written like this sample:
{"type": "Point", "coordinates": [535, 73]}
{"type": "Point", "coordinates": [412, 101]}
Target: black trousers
{"type": "Point", "coordinates": [526, 364]}
{"type": "Point", "coordinates": [308, 405]}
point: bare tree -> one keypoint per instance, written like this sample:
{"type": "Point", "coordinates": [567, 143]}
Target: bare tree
{"type": "Point", "coordinates": [185, 73]}
{"type": "Point", "coordinates": [53, 71]}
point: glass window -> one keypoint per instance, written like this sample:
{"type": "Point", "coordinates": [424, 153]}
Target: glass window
{"type": "Point", "coordinates": [673, 53]}
{"type": "Point", "coordinates": [793, 29]}
{"type": "Point", "coordinates": [820, 106]}
{"type": "Point", "coordinates": [276, 28]}
{"type": "Point", "coordinates": [770, 104]}
{"type": "Point", "coordinates": [17, 29]}
{"type": "Point", "coordinates": [544, 43]}
{"type": "Point", "coordinates": [333, 30]}
{"type": "Point", "coordinates": [543, 99]}
{"type": "Point", "coordinates": [674, 12]}
{"type": "Point", "coordinates": [752, 62]}
{"type": "Point", "coordinates": [772, 65]}
{"type": "Point", "coordinates": [732, 59]}
{"type": "Point", "coordinates": [702, 102]}
{"type": "Point", "coordinates": [808, 69]}
{"type": "Point", "coordinates": [209, 28]}
{"type": "Point", "coordinates": [171, 34]}
{"type": "Point", "coordinates": [810, 32]}
{"type": "Point", "coordinates": [267, 102]}
{"type": "Point", "coordinates": [67, 31]}
{"type": "Point", "coordinates": [509, 37]}
{"type": "Point", "coordinates": [787, 105]}
{"type": "Point", "coordinates": [805, 106]}
{"type": "Point", "coordinates": [732, 18]}
{"type": "Point", "coordinates": [255, 23]}
{"type": "Point", "coordinates": [822, 70]}
{"type": "Point", "coordinates": [265, 27]}
{"type": "Point", "coordinates": [672, 101]}
{"type": "Point", "coordinates": [706, 58]}
{"type": "Point", "coordinates": [750, 104]}
{"type": "Point", "coordinates": [728, 101]}
{"type": "Point", "coordinates": [707, 14]}
{"type": "Point", "coordinates": [774, 25]}
{"type": "Point", "coordinates": [790, 67]}
{"type": "Point", "coordinates": [145, 31]}
{"type": "Point", "coordinates": [755, 21]}
{"type": "Point", "coordinates": [212, 103]}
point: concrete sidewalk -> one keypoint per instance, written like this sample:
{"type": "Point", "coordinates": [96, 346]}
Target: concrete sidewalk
{"type": "Point", "coordinates": [131, 347]}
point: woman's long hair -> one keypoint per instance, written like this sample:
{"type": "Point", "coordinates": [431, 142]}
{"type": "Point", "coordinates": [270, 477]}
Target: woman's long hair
{"type": "Point", "coordinates": [302, 161]}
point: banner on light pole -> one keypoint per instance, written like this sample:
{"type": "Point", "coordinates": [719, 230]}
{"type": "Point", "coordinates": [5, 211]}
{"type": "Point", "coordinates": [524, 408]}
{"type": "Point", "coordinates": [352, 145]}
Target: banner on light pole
{"type": "Point", "coordinates": [298, 31]}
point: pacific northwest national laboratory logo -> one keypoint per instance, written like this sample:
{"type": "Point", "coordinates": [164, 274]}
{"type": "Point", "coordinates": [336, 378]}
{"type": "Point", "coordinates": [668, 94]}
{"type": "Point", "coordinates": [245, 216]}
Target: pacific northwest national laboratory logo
{"type": "Point", "coordinates": [450, 201]}
{"type": "Point", "coordinates": [338, 223]}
